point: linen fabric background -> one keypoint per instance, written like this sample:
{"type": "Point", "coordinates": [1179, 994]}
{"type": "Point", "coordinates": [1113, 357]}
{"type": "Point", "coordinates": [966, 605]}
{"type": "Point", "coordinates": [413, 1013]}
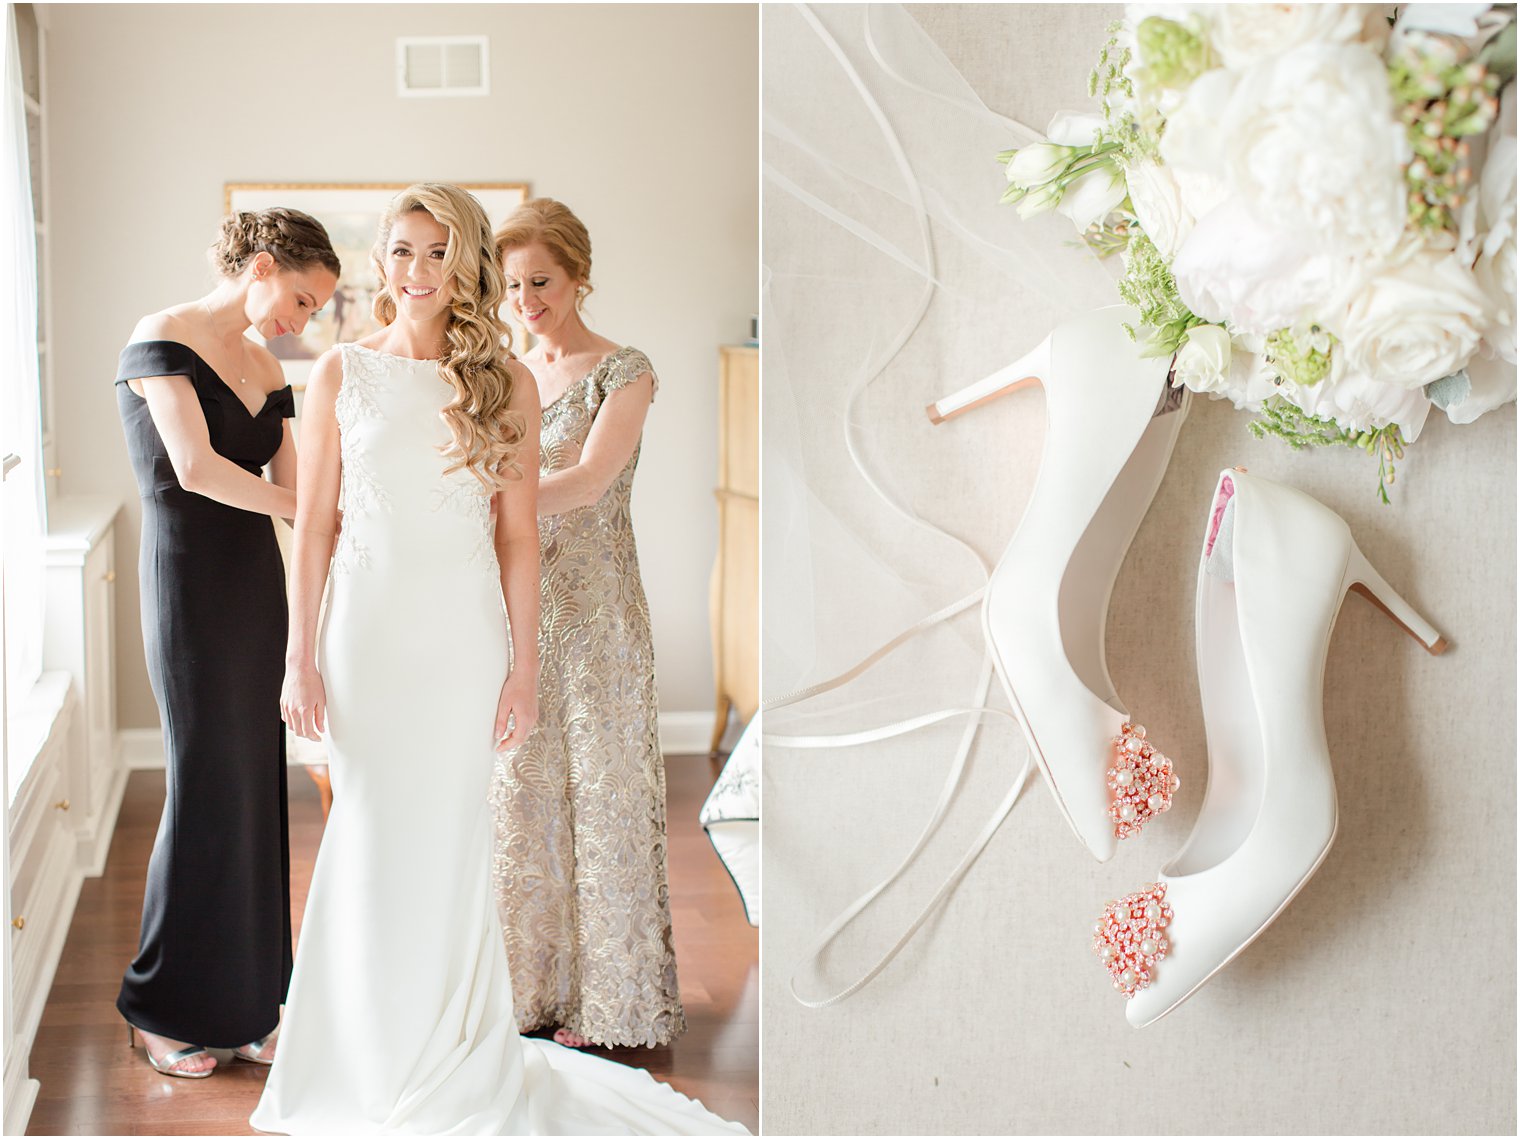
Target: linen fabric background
{"type": "Point", "coordinates": [1383, 998]}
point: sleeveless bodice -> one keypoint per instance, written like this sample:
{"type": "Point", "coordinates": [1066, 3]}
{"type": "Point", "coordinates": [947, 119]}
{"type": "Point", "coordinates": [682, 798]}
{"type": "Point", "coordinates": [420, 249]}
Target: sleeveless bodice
{"type": "Point", "coordinates": [400, 509]}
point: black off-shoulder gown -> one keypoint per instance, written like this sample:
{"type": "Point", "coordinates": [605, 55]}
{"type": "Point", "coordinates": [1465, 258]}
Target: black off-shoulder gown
{"type": "Point", "coordinates": [214, 955]}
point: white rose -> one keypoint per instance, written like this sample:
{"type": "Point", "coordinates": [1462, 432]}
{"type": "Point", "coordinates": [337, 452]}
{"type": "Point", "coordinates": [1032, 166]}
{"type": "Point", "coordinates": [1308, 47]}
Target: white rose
{"type": "Point", "coordinates": [1203, 362]}
{"type": "Point", "coordinates": [1243, 34]}
{"type": "Point", "coordinates": [1417, 318]}
{"type": "Point", "coordinates": [1235, 269]}
{"type": "Point", "coordinates": [1360, 404]}
{"type": "Point", "coordinates": [1159, 208]}
{"type": "Point", "coordinates": [1307, 139]}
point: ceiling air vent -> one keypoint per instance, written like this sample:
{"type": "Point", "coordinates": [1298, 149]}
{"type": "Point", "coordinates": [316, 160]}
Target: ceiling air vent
{"type": "Point", "coordinates": [443, 65]}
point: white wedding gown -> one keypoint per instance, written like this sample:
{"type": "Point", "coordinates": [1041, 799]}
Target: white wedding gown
{"type": "Point", "coordinates": [399, 1016]}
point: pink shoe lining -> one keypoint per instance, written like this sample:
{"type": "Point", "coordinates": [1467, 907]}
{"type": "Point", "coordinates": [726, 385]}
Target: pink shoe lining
{"type": "Point", "coordinates": [1221, 500]}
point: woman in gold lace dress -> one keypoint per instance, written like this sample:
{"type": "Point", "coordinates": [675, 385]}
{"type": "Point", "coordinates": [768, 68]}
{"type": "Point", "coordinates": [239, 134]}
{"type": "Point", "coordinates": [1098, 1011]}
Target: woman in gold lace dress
{"type": "Point", "coordinates": [580, 806]}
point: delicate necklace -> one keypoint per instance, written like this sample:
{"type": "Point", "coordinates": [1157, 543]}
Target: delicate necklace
{"type": "Point", "coordinates": [241, 379]}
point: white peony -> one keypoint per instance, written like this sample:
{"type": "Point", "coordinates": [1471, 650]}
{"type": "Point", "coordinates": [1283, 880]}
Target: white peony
{"type": "Point", "coordinates": [1243, 34]}
{"type": "Point", "coordinates": [1193, 139]}
{"type": "Point", "coordinates": [1307, 139]}
{"type": "Point", "coordinates": [1416, 319]}
{"type": "Point", "coordinates": [1359, 403]}
{"type": "Point", "coordinates": [1252, 379]}
{"type": "Point", "coordinates": [1233, 268]}
{"type": "Point", "coordinates": [1159, 205]}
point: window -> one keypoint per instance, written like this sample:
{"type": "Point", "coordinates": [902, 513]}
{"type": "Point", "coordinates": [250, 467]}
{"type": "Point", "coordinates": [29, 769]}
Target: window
{"type": "Point", "coordinates": [24, 512]}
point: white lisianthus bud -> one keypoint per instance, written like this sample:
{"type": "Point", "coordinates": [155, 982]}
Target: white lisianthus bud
{"type": "Point", "coordinates": [1039, 163]}
{"type": "Point", "coordinates": [1093, 196]}
{"type": "Point", "coordinates": [1038, 201]}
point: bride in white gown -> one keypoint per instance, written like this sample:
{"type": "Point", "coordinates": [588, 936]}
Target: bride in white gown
{"type": "Point", "coordinates": [399, 1016]}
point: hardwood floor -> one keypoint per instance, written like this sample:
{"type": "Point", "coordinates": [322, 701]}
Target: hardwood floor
{"type": "Point", "coordinates": [93, 1085]}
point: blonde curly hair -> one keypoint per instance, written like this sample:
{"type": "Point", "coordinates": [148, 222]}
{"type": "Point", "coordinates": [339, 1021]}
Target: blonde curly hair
{"type": "Point", "coordinates": [487, 433]}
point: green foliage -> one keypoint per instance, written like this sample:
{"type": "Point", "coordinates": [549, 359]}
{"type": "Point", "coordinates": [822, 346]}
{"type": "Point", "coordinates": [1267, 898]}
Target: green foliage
{"type": "Point", "coordinates": [1284, 420]}
{"type": "Point", "coordinates": [1148, 286]}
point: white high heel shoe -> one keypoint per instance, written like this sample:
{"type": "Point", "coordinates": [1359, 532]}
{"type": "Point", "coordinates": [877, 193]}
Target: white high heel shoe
{"type": "Point", "coordinates": [1112, 420]}
{"type": "Point", "coordinates": [1275, 568]}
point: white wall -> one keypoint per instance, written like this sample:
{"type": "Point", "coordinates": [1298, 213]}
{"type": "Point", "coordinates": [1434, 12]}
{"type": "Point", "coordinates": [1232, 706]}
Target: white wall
{"type": "Point", "coordinates": [642, 118]}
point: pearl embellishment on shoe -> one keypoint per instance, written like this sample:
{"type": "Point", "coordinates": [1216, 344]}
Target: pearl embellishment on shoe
{"type": "Point", "coordinates": [1130, 938]}
{"type": "Point", "coordinates": [1141, 780]}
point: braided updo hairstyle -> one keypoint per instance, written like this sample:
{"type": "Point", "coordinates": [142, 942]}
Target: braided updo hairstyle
{"type": "Point", "coordinates": [295, 240]}
{"type": "Point", "coordinates": [552, 225]}
{"type": "Point", "coordinates": [487, 433]}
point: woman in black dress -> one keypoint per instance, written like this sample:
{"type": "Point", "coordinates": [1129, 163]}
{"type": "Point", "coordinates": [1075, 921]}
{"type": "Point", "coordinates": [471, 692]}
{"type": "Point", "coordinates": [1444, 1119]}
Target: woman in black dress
{"type": "Point", "coordinates": [204, 409]}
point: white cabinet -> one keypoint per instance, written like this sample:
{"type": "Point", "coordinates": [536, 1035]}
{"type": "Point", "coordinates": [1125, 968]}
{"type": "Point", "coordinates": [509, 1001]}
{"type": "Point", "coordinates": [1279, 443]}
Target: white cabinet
{"type": "Point", "coordinates": [59, 823]}
{"type": "Point", "coordinates": [78, 639]}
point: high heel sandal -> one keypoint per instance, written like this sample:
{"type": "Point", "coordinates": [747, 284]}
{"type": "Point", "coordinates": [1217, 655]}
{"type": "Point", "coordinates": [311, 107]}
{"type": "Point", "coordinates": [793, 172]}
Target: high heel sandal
{"type": "Point", "coordinates": [257, 1051]}
{"type": "Point", "coordinates": [165, 1066]}
{"type": "Point", "coordinates": [1275, 569]}
{"type": "Point", "coordinates": [1112, 420]}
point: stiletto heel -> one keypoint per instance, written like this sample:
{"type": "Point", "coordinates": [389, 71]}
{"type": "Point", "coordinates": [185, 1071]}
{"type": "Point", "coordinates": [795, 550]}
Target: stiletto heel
{"type": "Point", "coordinates": [166, 1066]}
{"type": "Point", "coordinates": [1366, 580]}
{"type": "Point", "coordinates": [1022, 373]}
{"type": "Point", "coordinates": [1265, 610]}
{"type": "Point", "coordinates": [1112, 420]}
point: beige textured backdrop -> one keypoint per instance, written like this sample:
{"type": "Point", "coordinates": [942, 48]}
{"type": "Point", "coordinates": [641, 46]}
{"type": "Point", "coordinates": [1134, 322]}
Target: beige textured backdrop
{"type": "Point", "coordinates": [1383, 1000]}
{"type": "Point", "coordinates": [641, 117]}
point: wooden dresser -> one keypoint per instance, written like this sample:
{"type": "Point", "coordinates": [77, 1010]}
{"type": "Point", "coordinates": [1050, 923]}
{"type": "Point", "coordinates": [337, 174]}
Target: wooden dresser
{"type": "Point", "coordinates": [736, 575]}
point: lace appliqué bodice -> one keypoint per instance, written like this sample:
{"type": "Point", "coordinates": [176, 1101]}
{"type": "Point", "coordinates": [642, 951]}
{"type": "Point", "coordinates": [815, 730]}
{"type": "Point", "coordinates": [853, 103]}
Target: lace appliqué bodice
{"type": "Point", "coordinates": [388, 415]}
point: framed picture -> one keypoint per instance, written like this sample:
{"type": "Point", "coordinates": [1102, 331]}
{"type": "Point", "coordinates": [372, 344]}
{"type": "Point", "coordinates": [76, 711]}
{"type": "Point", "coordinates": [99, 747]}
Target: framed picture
{"type": "Point", "coordinates": [351, 214]}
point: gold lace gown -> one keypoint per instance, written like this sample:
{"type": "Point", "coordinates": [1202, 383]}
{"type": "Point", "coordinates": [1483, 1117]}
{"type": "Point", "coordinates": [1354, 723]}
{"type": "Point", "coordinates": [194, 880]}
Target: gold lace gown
{"type": "Point", "coordinates": [580, 806]}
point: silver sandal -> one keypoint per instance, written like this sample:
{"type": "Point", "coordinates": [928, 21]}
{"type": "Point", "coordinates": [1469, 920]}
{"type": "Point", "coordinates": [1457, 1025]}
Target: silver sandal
{"type": "Point", "coordinates": [254, 1052]}
{"type": "Point", "coordinates": [165, 1067]}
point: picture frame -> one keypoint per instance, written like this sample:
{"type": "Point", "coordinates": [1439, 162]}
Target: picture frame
{"type": "Point", "coordinates": [351, 213]}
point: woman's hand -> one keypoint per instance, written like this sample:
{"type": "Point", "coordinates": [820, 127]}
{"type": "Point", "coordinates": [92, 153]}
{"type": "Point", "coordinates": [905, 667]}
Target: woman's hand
{"type": "Point", "coordinates": [519, 705]}
{"type": "Point", "coordinates": [303, 701]}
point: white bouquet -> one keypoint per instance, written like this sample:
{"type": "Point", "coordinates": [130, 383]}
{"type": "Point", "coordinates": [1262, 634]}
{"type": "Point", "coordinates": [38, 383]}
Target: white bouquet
{"type": "Point", "coordinates": [1315, 204]}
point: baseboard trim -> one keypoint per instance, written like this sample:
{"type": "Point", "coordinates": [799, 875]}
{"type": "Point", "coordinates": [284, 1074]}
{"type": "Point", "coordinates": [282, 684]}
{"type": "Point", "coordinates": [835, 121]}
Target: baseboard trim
{"type": "Point", "coordinates": [142, 749]}
{"type": "Point", "coordinates": [20, 1091]}
{"type": "Point", "coordinates": [93, 848]}
{"type": "Point", "coordinates": [681, 733]}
